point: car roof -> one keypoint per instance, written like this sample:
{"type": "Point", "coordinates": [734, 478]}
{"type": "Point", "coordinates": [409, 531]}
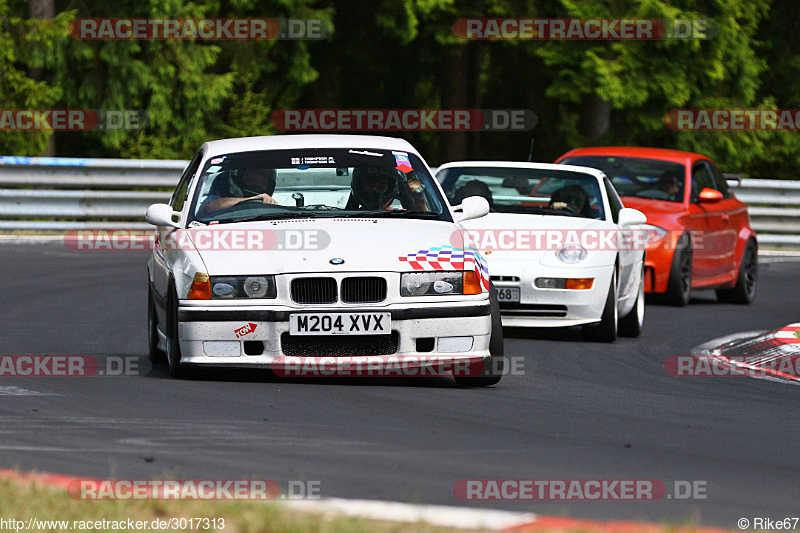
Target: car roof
{"type": "Point", "coordinates": [664, 154]}
{"type": "Point", "coordinates": [289, 142]}
{"type": "Point", "coordinates": [519, 164]}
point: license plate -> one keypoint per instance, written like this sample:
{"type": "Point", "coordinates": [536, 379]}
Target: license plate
{"type": "Point", "coordinates": [340, 324]}
{"type": "Point", "coordinates": [509, 294]}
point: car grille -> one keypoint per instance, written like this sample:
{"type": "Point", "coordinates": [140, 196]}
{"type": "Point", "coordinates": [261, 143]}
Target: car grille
{"type": "Point", "coordinates": [339, 345]}
{"type": "Point", "coordinates": [505, 278]}
{"type": "Point", "coordinates": [363, 290]}
{"type": "Point", "coordinates": [533, 310]}
{"type": "Point", "coordinates": [314, 290]}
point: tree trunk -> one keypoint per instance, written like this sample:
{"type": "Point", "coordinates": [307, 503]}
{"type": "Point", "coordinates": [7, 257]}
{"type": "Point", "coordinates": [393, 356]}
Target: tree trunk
{"type": "Point", "coordinates": [595, 118]}
{"type": "Point", "coordinates": [454, 94]}
{"type": "Point", "coordinates": [43, 9]}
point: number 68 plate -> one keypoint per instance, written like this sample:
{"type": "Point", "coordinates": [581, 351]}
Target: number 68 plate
{"type": "Point", "coordinates": [340, 324]}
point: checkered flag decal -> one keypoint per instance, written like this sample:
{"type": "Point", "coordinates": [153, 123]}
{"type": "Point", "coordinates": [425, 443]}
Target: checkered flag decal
{"type": "Point", "coordinates": [449, 258]}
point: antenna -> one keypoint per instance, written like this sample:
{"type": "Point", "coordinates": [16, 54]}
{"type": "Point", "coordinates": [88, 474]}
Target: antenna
{"type": "Point", "coordinates": [530, 152]}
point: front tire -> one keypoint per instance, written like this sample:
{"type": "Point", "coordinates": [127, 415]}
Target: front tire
{"type": "Point", "coordinates": [631, 324]}
{"type": "Point", "coordinates": [606, 330]}
{"type": "Point", "coordinates": [155, 354]}
{"type": "Point", "coordinates": [745, 290]}
{"type": "Point", "coordinates": [680, 274]}
{"type": "Point", "coordinates": [173, 342]}
{"type": "Point", "coordinates": [491, 370]}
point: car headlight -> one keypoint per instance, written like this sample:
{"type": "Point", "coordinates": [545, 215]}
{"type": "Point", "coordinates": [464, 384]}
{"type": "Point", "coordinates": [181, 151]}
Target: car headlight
{"type": "Point", "coordinates": [654, 233]}
{"type": "Point", "coordinates": [242, 287]}
{"type": "Point", "coordinates": [572, 254]}
{"type": "Point", "coordinates": [431, 283]}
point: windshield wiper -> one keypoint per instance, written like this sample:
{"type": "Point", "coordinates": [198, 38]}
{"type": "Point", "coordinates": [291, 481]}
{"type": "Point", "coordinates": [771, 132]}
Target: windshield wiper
{"type": "Point", "coordinates": [322, 207]}
{"type": "Point", "coordinates": [271, 216]}
{"type": "Point", "coordinates": [382, 213]}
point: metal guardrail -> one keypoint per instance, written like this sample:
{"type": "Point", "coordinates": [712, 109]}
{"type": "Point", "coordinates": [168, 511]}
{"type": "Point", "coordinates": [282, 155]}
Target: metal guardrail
{"type": "Point", "coordinates": [39, 193]}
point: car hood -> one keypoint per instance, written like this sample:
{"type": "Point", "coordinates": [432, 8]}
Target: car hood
{"type": "Point", "coordinates": [653, 207]}
{"type": "Point", "coordinates": [497, 237]}
{"type": "Point", "coordinates": [310, 245]}
{"type": "Point", "coordinates": [512, 221]}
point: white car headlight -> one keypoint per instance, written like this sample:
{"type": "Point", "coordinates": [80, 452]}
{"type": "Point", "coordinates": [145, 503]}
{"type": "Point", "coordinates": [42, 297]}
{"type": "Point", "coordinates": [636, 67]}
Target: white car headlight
{"type": "Point", "coordinates": [572, 254]}
{"type": "Point", "coordinates": [431, 283]}
{"type": "Point", "coordinates": [654, 233]}
{"type": "Point", "coordinates": [242, 287]}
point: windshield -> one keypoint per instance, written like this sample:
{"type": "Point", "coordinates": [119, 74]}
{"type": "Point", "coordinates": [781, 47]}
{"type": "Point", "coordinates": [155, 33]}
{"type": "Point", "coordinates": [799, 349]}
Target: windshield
{"type": "Point", "coordinates": [643, 178]}
{"type": "Point", "coordinates": [275, 184]}
{"type": "Point", "coordinates": [525, 190]}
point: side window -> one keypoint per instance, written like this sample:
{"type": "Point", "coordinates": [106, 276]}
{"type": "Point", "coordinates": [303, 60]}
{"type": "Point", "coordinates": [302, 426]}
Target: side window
{"type": "Point", "coordinates": [701, 179]}
{"type": "Point", "coordinates": [719, 179]}
{"type": "Point", "coordinates": [179, 197]}
{"type": "Point", "coordinates": [613, 200]}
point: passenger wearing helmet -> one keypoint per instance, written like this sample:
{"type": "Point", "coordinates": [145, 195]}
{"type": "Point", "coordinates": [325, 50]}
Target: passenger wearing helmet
{"type": "Point", "coordinates": [375, 188]}
{"type": "Point", "coordinates": [238, 186]}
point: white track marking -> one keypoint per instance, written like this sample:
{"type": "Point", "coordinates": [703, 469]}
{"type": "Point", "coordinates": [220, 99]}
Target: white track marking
{"type": "Point", "coordinates": [437, 515]}
{"type": "Point", "coordinates": [16, 391]}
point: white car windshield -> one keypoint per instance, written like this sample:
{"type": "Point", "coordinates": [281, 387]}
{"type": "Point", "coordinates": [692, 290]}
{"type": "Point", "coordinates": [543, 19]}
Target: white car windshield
{"type": "Point", "coordinates": [526, 190]}
{"type": "Point", "coordinates": [274, 184]}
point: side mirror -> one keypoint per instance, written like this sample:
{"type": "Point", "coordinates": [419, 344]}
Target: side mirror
{"type": "Point", "coordinates": [631, 217]}
{"type": "Point", "coordinates": [160, 215]}
{"type": "Point", "coordinates": [709, 196]}
{"type": "Point", "coordinates": [473, 207]}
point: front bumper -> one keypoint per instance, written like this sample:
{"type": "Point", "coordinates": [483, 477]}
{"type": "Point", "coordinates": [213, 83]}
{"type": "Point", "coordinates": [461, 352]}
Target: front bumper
{"type": "Point", "coordinates": [224, 336]}
{"type": "Point", "coordinates": [554, 307]}
{"type": "Point", "coordinates": [657, 266]}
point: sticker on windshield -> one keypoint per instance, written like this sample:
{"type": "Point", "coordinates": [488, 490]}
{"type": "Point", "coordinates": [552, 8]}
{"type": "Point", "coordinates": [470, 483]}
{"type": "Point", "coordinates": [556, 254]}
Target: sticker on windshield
{"type": "Point", "coordinates": [364, 152]}
{"type": "Point", "coordinates": [402, 161]}
{"type": "Point", "coordinates": [315, 160]}
{"type": "Point", "coordinates": [213, 170]}
{"type": "Point", "coordinates": [217, 160]}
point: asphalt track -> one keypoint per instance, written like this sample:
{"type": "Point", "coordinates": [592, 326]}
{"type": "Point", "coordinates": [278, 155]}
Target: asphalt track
{"type": "Point", "coordinates": [580, 411]}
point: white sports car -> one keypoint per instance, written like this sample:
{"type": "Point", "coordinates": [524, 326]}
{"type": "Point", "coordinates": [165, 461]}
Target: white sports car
{"type": "Point", "coordinates": [562, 249]}
{"type": "Point", "coordinates": [322, 247]}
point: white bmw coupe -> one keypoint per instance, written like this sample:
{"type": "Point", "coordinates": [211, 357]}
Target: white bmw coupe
{"type": "Point", "coordinates": [562, 249]}
{"type": "Point", "coordinates": [327, 248]}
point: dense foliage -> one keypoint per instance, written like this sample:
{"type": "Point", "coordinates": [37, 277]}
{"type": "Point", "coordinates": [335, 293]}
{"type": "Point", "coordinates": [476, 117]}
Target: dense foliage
{"type": "Point", "coordinates": [404, 54]}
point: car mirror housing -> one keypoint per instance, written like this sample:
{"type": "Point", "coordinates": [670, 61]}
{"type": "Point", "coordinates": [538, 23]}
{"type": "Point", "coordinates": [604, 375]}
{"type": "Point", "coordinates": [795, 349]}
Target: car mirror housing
{"type": "Point", "coordinates": [473, 207]}
{"type": "Point", "coordinates": [709, 196]}
{"type": "Point", "coordinates": [631, 217]}
{"type": "Point", "coordinates": [161, 215]}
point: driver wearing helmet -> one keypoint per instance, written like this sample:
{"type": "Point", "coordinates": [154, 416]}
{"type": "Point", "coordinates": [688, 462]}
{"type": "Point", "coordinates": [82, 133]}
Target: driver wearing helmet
{"type": "Point", "coordinates": [375, 188]}
{"type": "Point", "coordinates": [572, 197]}
{"type": "Point", "coordinates": [240, 185]}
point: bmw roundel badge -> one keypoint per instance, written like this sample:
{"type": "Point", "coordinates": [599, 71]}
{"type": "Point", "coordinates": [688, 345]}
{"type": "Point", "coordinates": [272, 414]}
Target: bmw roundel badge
{"type": "Point", "coordinates": [337, 261]}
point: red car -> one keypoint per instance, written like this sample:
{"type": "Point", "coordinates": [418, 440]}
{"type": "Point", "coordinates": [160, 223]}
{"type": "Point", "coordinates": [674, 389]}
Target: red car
{"type": "Point", "coordinates": [699, 234]}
